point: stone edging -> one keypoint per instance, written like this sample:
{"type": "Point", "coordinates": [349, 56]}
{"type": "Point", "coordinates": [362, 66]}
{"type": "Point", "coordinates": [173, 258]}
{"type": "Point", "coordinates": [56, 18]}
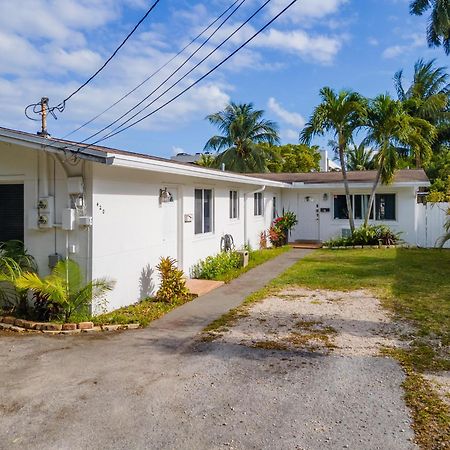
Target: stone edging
{"type": "Point", "coordinates": [9, 323]}
{"type": "Point", "coordinates": [345, 247]}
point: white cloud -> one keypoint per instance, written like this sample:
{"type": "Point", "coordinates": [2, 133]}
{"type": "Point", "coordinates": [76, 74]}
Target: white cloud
{"type": "Point", "coordinates": [415, 41]}
{"type": "Point", "coordinates": [290, 118]}
{"type": "Point", "coordinates": [176, 150]}
{"type": "Point", "coordinates": [305, 10]}
{"type": "Point", "coordinates": [289, 135]}
{"type": "Point", "coordinates": [319, 48]}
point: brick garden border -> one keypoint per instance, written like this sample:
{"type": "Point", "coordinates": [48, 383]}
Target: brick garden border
{"type": "Point", "coordinates": [9, 323]}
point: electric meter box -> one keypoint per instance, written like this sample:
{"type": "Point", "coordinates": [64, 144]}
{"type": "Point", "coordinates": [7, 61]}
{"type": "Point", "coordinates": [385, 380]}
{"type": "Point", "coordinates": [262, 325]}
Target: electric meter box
{"type": "Point", "coordinates": [85, 221]}
{"type": "Point", "coordinates": [75, 185]}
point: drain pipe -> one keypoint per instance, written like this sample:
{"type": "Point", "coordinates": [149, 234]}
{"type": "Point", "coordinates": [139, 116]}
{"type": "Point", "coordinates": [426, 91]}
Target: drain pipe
{"type": "Point", "coordinates": [43, 174]}
{"type": "Point", "coordinates": [261, 189]}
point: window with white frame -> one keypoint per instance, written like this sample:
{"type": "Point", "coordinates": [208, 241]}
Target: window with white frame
{"type": "Point", "coordinates": [203, 211]}
{"type": "Point", "coordinates": [385, 206]}
{"type": "Point", "coordinates": [274, 208]}
{"type": "Point", "coordinates": [234, 205]}
{"type": "Point", "coordinates": [258, 209]}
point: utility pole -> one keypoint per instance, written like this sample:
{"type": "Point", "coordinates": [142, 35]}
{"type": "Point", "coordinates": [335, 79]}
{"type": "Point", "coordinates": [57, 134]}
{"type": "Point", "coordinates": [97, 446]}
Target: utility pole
{"type": "Point", "coordinates": [44, 111]}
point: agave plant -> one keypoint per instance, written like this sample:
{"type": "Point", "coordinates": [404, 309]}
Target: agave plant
{"type": "Point", "coordinates": [65, 287]}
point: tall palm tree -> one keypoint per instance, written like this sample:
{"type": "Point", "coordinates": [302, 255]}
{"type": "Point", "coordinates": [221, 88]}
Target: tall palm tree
{"type": "Point", "coordinates": [359, 157]}
{"type": "Point", "coordinates": [427, 97]}
{"type": "Point", "coordinates": [341, 113]}
{"type": "Point", "coordinates": [389, 128]}
{"type": "Point", "coordinates": [438, 31]}
{"type": "Point", "coordinates": [242, 127]}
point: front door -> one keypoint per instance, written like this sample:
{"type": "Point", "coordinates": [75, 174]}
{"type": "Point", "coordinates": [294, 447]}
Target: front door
{"type": "Point", "coordinates": [170, 225]}
{"type": "Point", "coordinates": [308, 220]}
{"type": "Point", "coordinates": [11, 212]}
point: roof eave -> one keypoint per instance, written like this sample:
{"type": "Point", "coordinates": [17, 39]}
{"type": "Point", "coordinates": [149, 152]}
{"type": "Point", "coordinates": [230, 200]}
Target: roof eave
{"type": "Point", "coordinates": [306, 186]}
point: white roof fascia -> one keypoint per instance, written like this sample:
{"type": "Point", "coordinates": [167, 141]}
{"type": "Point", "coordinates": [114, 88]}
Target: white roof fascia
{"type": "Point", "coordinates": [135, 162]}
{"type": "Point", "coordinates": [328, 186]}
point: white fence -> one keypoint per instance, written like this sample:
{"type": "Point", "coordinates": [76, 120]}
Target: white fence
{"type": "Point", "coordinates": [431, 221]}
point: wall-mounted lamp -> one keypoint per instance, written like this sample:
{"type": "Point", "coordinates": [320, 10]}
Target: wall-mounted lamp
{"type": "Point", "coordinates": [325, 197]}
{"type": "Point", "coordinates": [308, 199]}
{"type": "Point", "coordinates": [165, 196]}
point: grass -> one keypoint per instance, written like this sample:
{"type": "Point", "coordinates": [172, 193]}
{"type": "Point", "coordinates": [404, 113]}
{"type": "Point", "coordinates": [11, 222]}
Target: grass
{"type": "Point", "coordinates": [256, 257]}
{"type": "Point", "coordinates": [414, 284]}
{"type": "Point", "coordinates": [142, 312]}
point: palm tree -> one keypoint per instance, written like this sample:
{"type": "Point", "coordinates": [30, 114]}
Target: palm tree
{"type": "Point", "coordinates": [359, 157]}
{"type": "Point", "coordinates": [391, 127]}
{"type": "Point", "coordinates": [438, 31]}
{"type": "Point", "coordinates": [242, 128]}
{"type": "Point", "coordinates": [65, 287]}
{"type": "Point", "coordinates": [341, 113]}
{"type": "Point", "coordinates": [427, 97]}
{"type": "Point", "coordinates": [206, 160]}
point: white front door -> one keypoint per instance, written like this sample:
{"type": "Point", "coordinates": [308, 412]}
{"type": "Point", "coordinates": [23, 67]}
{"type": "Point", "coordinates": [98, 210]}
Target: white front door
{"type": "Point", "coordinates": [169, 215]}
{"type": "Point", "coordinates": [308, 219]}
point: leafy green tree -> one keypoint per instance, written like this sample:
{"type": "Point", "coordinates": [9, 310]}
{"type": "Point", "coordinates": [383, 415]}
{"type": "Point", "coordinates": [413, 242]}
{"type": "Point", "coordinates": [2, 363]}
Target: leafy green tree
{"type": "Point", "coordinates": [207, 160]}
{"type": "Point", "coordinates": [242, 127]}
{"type": "Point", "coordinates": [359, 157]}
{"type": "Point", "coordinates": [438, 30]}
{"type": "Point", "coordinates": [291, 158]}
{"type": "Point", "coordinates": [389, 128]}
{"type": "Point", "coordinates": [342, 114]}
{"type": "Point", "coordinates": [65, 287]}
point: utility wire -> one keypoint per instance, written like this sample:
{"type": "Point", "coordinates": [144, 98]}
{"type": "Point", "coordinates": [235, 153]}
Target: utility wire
{"type": "Point", "coordinates": [61, 106]}
{"type": "Point", "coordinates": [153, 74]}
{"type": "Point", "coordinates": [195, 82]}
{"type": "Point", "coordinates": [241, 2]}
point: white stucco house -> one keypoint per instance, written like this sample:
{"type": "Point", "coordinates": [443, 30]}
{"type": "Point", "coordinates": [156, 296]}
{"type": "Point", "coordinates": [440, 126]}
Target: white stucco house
{"type": "Point", "coordinates": [116, 212]}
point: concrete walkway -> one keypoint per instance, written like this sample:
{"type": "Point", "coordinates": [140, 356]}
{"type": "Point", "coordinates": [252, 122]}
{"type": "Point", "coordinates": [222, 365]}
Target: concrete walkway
{"type": "Point", "coordinates": [160, 388]}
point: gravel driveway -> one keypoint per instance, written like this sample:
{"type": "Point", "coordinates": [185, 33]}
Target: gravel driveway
{"type": "Point", "coordinates": [162, 388]}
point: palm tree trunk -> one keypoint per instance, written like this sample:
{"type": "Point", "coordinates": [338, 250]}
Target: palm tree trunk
{"type": "Point", "coordinates": [372, 195]}
{"type": "Point", "coordinates": [346, 187]}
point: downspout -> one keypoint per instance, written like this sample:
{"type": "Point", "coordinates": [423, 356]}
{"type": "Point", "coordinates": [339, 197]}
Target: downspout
{"type": "Point", "coordinates": [43, 174]}
{"type": "Point", "coordinates": [261, 189]}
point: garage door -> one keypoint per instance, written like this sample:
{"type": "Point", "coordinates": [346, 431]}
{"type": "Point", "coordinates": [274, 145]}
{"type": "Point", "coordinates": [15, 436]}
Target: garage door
{"type": "Point", "coordinates": [11, 212]}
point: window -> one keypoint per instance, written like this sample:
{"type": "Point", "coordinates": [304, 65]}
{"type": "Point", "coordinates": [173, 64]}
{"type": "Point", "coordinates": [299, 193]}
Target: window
{"type": "Point", "coordinates": [203, 211]}
{"type": "Point", "coordinates": [274, 208]}
{"type": "Point", "coordinates": [234, 205]}
{"type": "Point", "coordinates": [258, 204]}
{"type": "Point", "coordinates": [384, 206]}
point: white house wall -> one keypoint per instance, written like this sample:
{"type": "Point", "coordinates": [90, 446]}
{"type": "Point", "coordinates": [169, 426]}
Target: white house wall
{"type": "Point", "coordinates": [304, 202]}
{"type": "Point", "coordinates": [129, 231]}
{"type": "Point", "coordinates": [21, 165]}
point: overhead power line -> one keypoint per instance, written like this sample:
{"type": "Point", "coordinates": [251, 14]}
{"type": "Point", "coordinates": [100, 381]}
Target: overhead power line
{"type": "Point", "coordinates": [154, 73]}
{"type": "Point", "coordinates": [61, 106]}
{"type": "Point", "coordinates": [192, 84]}
{"type": "Point", "coordinates": [177, 70]}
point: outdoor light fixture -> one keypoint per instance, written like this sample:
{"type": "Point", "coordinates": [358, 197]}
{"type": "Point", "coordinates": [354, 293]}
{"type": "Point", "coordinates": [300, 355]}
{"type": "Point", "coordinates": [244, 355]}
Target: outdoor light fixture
{"type": "Point", "coordinates": [165, 196]}
{"type": "Point", "coordinates": [308, 199]}
{"type": "Point", "coordinates": [325, 197]}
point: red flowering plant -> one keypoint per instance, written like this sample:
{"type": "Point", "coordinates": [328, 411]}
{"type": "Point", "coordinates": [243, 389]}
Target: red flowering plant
{"type": "Point", "coordinates": [280, 228]}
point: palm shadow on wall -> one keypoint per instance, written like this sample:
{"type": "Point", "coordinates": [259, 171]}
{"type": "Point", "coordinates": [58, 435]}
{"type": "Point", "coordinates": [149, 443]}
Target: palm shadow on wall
{"type": "Point", "coordinates": [146, 283]}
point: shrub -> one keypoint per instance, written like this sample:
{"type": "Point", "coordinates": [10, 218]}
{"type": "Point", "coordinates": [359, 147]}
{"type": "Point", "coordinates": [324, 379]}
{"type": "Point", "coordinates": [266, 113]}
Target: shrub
{"type": "Point", "coordinates": [367, 235]}
{"type": "Point", "coordinates": [65, 287]}
{"type": "Point", "coordinates": [173, 284]}
{"type": "Point", "coordinates": [213, 266]}
{"type": "Point", "coordinates": [262, 240]}
{"type": "Point", "coordinates": [280, 228]}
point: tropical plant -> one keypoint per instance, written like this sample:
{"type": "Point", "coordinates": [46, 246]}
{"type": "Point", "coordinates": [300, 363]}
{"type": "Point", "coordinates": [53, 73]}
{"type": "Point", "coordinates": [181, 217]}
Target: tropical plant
{"type": "Point", "coordinates": [207, 160]}
{"type": "Point", "coordinates": [173, 284]}
{"type": "Point", "coordinates": [14, 260]}
{"type": "Point", "coordinates": [213, 266]}
{"type": "Point", "coordinates": [291, 158]}
{"type": "Point", "coordinates": [359, 157]}
{"type": "Point", "coordinates": [389, 127]}
{"type": "Point", "coordinates": [262, 240]}
{"type": "Point", "coordinates": [280, 228]}
{"type": "Point", "coordinates": [438, 30]}
{"type": "Point", "coordinates": [366, 235]}
{"type": "Point", "coordinates": [65, 287]}
{"type": "Point", "coordinates": [342, 114]}
{"type": "Point", "coordinates": [242, 127]}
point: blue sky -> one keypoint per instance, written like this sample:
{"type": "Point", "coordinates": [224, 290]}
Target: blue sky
{"type": "Point", "coordinates": [49, 47]}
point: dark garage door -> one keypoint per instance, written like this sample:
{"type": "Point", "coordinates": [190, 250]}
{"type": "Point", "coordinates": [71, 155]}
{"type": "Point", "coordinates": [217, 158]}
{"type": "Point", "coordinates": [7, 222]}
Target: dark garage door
{"type": "Point", "coordinates": [11, 212]}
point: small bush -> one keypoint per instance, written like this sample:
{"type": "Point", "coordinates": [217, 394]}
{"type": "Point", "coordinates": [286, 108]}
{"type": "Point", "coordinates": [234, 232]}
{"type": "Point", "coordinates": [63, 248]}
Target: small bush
{"type": "Point", "coordinates": [262, 240]}
{"type": "Point", "coordinates": [280, 228]}
{"type": "Point", "coordinates": [213, 266]}
{"type": "Point", "coordinates": [367, 235]}
{"type": "Point", "coordinates": [173, 285]}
